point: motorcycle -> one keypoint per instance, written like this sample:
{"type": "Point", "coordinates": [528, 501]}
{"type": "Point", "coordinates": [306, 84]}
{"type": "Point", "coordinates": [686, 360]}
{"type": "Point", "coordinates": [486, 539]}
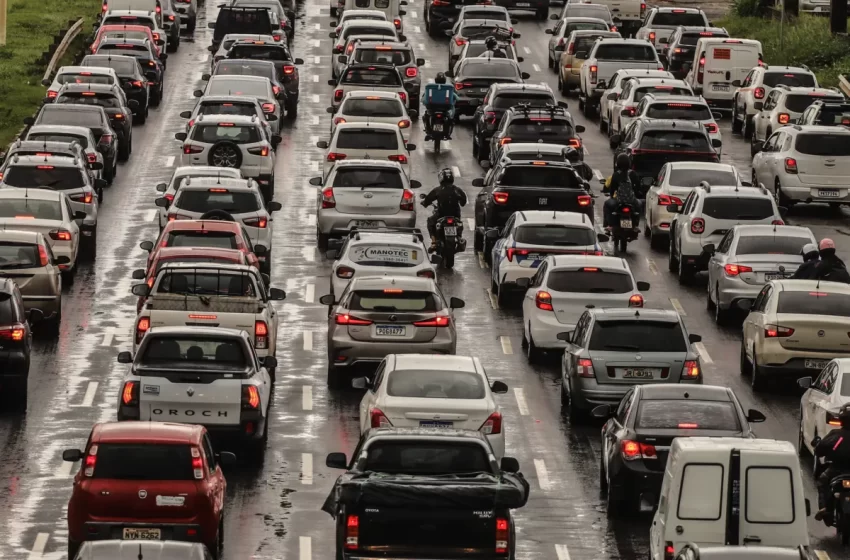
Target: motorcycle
{"type": "Point", "coordinates": [624, 225]}
{"type": "Point", "coordinates": [439, 128]}
{"type": "Point", "coordinates": [450, 240]}
{"type": "Point", "coordinates": [839, 489]}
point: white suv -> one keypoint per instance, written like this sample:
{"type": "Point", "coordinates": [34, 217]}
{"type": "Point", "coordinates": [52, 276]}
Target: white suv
{"type": "Point", "coordinates": [634, 89]}
{"type": "Point", "coordinates": [783, 106]}
{"type": "Point", "coordinates": [806, 164]}
{"type": "Point", "coordinates": [234, 141]}
{"type": "Point", "coordinates": [708, 213]}
{"type": "Point", "coordinates": [681, 108]}
{"type": "Point", "coordinates": [757, 84]}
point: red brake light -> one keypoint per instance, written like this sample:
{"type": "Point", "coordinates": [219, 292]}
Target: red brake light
{"type": "Point", "coordinates": [652, 36]}
{"type": "Point", "coordinates": [261, 223]}
{"type": "Point", "coordinates": [711, 128]}
{"type": "Point", "coordinates": [192, 149]}
{"type": "Point", "coordinates": [339, 120]}
{"type": "Point", "coordinates": [404, 124]}
{"type": "Point", "coordinates": [690, 370]}
{"type": "Point", "coordinates": [584, 200]}
{"type": "Point", "coordinates": [593, 73]}
{"type": "Point", "coordinates": [261, 335]}
{"type": "Point", "coordinates": [697, 225]}
{"type": "Point", "coordinates": [435, 322]}
{"type": "Point", "coordinates": [378, 419]}
{"type": "Point", "coordinates": [543, 300]}
{"type": "Point", "coordinates": [791, 165]}
{"type": "Point", "coordinates": [15, 333]}
{"type": "Point", "coordinates": [784, 118]}
{"type": "Point", "coordinates": [669, 551]}
{"type": "Point", "coordinates": [130, 393]}
{"type": "Point", "coordinates": [262, 151]}
{"type": "Point", "coordinates": [42, 256]}
{"type": "Point", "coordinates": [688, 425]}
{"type": "Point", "coordinates": [777, 331]}
{"type": "Point", "coordinates": [736, 269]}
{"type": "Point", "coordinates": [60, 235]}
{"type": "Point", "coordinates": [346, 319]}
{"type": "Point", "coordinates": [336, 156]}
{"type": "Point", "coordinates": [633, 450]}
{"type": "Point", "coordinates": [493, 424]}
{"type": "Point", "coordinates": [701, 69]}
{"type": "Point", "coordinates": [91, 461]}
{"type": "Point", "coordinates": [352, 523]}
{"type": "Point", "coordinates": [636, 301]}
{"type": "Point", "coordinates": [503, 535]}
{"type": "Point", "coordinates": [142, 327]}
{"type": "Point", "coordinates": [505, 140]}
{"type": "Point", "coordinates": [85, 198]}
{"type": "Point", "coordinates": [250, 397]}
{"type": "Point", "coordinates": [665, 199]}
{"type": "Point", "coordinates": [584, 368]}
{"type": "Point", "coordinates": [328, 200]}
{"type": "Point", "coordinates": [52, 94]}
{"type": "Point", "coordinates": [460, 42]}
{"type": "Point", "coordinates": [268, 107]}
{"type": "Point", "coordinates": [401, 158]}
{"type": "Point", "coordinates": [344, 272]}
{"type": "Point", "coordinates": [406, 200]}
{"type": "Point", "coordinates": [500, 197]}
{"type": "Point", "coordinates": [397, 23]}
{"type": "Point", "coordinates": [288, 70]}
{"type": "Point", "coordinates": [411, 72]}
{"type": "Point", "coordinates": [338, 95]}
{"type": "Point", "coordinates": [512, 251]}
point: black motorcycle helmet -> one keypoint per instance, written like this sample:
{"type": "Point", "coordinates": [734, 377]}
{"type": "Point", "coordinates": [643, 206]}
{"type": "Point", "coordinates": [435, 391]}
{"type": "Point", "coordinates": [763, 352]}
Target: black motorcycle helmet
{"type": "Point", "coordinates": [440, 79]}
{"type": "Point", "coordinates": [446, 177]}
{"type": "Point", "coordinates": [844, 416]}
{"type": "Point", "coordinates": [572, 154]}
{"type": "Point", "coordinates": [622, 162]}
{"type": "Point", "coordinates": [491, 43]}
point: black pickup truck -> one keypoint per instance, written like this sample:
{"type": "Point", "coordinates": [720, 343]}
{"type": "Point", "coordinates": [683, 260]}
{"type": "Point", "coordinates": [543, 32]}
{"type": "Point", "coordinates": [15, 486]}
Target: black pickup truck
{"type": "Point", "coordinates": [425, 493]}
{"type": "Point", "coordinates": [515, 185]}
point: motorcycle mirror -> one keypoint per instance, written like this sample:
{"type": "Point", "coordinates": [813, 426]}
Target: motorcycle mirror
{"type": "Point", "coordinates": [492, 234]}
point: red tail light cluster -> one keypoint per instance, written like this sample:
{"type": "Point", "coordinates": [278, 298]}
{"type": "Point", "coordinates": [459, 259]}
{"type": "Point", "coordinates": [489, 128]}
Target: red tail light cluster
{"type": "Point", "coordinates": [85, 198]}
{"type": "Point", "coordinates": [460, 85]}
{"type": "Point", "coordinates": [636, 301]}
{"type": "Point", "coordinates": [336, 156]}
{"type": "Point", "coordinates": [250, 397]}
{"type": "Point", "coordinates": [328, 200]}
{"type": "Point", "coordinates": [633, 450]}
{"type": "Point", "coordinates": [262, 151]}
{"type": "Point", "coordinates": [401, 158]}
{"type": "Point", "coordinates": [493, 424]}
{"type": "Point", "coordinates": [500, 197]}
{"type": "Point", "coordinates": [690, 370]}
{"type": "Point", "coordinates": [543, 300]}
{"type": "Point", "coordinates": [60, 235]}
{"type": "Point", "coordinates": [701, 70]}
{"type": "Point", "coordinates": [406, 201]}
{"type": "Point", "coordinates": [511, 252]}
{"type": "Point", "coordinates": [777, 331]}
{"type": "Point", "coordinates": [192, 149]}
{"type": "Point", "coordinates": [261, 335]}
{"type": "Point", "coordinates": [711, 128]}
{"type": "Point", "coordinates": [338, 95]}
{"type": "Point", "coordinates": [130, 393]}
{"type": "Point", "coordinates": [736, 269]}
{"type": "Point", "coordinates": [346, 319]}
{"type": "Point", "coordinates": [584, 368]}
{"type": "Point", "coordinates": [435, 322]}
{"type": "Point", "coordinates": [665, 199]}
{"type": "Point", "coordinates": [411, 72]}
{"type": "Point", "coordinates": [697, 226]}
{"type": "Point", "coordinates": [503, 535]}
{"type": "Point", "coordinates": [791, 166]}
{"type": "Point", "coordinates": [90, 461]}
{"type": "Point", "coordinates": [142, 326]}
{"type": "Point", "coordinates": [584, 200]}
{"type": "Point", "coordinates": [352, 522]}
{"type": "Point", "coordinates": [378, 419]}
{"type": "Point", "coordinates": [257, 222]}
{"type": "Point", "coordinates": [758, 93]}
{"type": "Point", "coordinates": [593, 74]}
{"type": "Point", "coordinates": [344, 272]}
{"type": "Point", "coordinates": [288, 70]}
{"type": "Point", "coordinates": [14, 333]}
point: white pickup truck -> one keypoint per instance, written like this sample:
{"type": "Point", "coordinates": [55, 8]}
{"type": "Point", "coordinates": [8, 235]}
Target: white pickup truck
{"type": "Point", "coordinates": [607, 56]}
{"type": "Point", "coordinates": [210, 295]}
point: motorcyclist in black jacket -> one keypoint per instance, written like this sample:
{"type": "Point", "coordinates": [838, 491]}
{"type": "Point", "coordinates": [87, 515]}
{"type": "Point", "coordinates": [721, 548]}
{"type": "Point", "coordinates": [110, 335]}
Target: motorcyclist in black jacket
{"type": "Point", "coordinates": [835, 448]}
{"type": "Point", "coordinates": [811, 258]}
{"type": "Point", "coordinates": [449, 197]}
{"type": "Point", "coordinates": [625, 177]}
{"type": "Point", "coordinates": [830, 267]}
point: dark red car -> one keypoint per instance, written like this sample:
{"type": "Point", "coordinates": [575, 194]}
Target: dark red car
{"type": "Point", "coordinates": [148, 481]}
{"type": "Point", "coordinates": [215, 234]}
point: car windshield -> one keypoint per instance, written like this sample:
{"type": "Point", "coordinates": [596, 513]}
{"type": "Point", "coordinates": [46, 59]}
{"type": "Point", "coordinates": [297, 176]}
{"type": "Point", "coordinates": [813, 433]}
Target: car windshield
{"type": "Point", "coordinates": [366, 139]}
{"type": "Point", "coordinates": [201, 201]}
{"type": "Point", "coordinates": [186, 352]}
{"type": "Point", "coordinates": [814, 302]}
{"type": "Point", "coordinates": [675, 18]}
{"type": "Point", "coordinates": [222, 108]}
{"type": "Point", "coordinates": [477, 31]}
{"type": "Point", "coordinates": [483, 68]}
{"type": "Point", "coordinates": [212, 133]}
{"type": "Point", "coordinates": [372, 107]}
{"type": "Point", "coordinates": [366, 177]}
{"type": "Point", "coordinates": [641, 92]}
{"type": "Point", "coordinates": [44, 177]}
{"type": "Point", "coordinates": [237, 86]}
{"type": "Point", "coordinates": [669, 414]}
{"type": "Point", "coordinates": [84, 78]}
{"type": "Point", "coordinates": [792, 79]}
{"type": "Point", "coordinates": [258, 52]}
{"type": "Point", "coordinates": [56, 114]}
{"type": "Point", "coordinates": [539, 176]}
{"type": "Point", "coordinates": [555, 235]}
{"type": "Point", "coordinates": [373, 76]}
{"type": "Point", "coordinates": [507, 100]}
{"type": "Point", "coordinates": [58, 137]}
{"type": "Point", "coordinates": [30, 208]}
{"type": "Point", "coordinates": [827, 145]}
{"type": "Point", "coordinates": [691, 178]}
{"type": "Point", "coordinates": [435, 384]}
{"type": "Point", "coordinates": [18, 255]}
{"type": "Point", "coordinates": [539, 126]}
{"type": "Point", "coordinates": [627, 51]}
{"type": "Point", "coordinates": [590, 280]}
{"type": "Point", "coordinates": [385, 55]}
{"type": "Point", "coordinates": [205, 282]}
{"type": "Point", "coordinates": [426, 458]}
{"type": "Point", "coordinates": [690, 39]}
{"type": "Point", "coordinates": [638, 335]}
{"type": "Point", "coordinates": [675, 140]}
{"type": "Point", "coordinates": [202, 238]}
{"type": "Point", "coordinates": [392, 300]}
{"type": "Point", "coordinates": [799, 103]}
{"type": "Point", "coordinates": [771, 245]}
{"type": "Point", "coordinates": [107, 101]}
{"type": "Point", "coordinates": [143, 461]}
{"type": "Point", "coordinates": [385, 255]}
{"type": "Point", "coordinates": [679, 111]}
{"type": "Point", "coordinates": [127, 49]}
{"type": "Point", "coordinates": [734, 208]}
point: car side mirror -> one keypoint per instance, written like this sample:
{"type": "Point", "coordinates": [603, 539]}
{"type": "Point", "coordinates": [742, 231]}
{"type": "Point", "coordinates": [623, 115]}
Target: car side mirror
{"type": "Point", "coordinates": [342, 59]}
{"type": "Point", "coordinates": [72, 455]}
{"type": "Point", "coordinates": [499, 387]}
{"type": "Point", "coordinates": [804, 382]}
{"type": "Point", "coordinates": [420, 62]}
{"type": "Point", "coordinates": [642, 286]}
{"type": "Point", "coordinates": [580, 128]}
{"type": "Point", "coordinates": [161, 187]}
{"type": "Point", "coordinates": [46, 82]}
{"type": "Point", "coordinates": [755, 417]}
{"type": "Point", "coordinates": [509, 464]}
{"type": "Point", "coordinates": [226, 459]}
{"type": "Point", "coordinates": [315, 181]}
{"type": "Point", "coordinates": [414, 184]}
{"type": "Point", "coordinates": [694, 338]}
{"type": "Point", "coordinates": [138, 274]}
{"type": "Point", "coordinates": [322, 144]}
{"type": "Point", "coordinates": [486, 164]}
{"type": "Point", "coordinates": [276, 140]}
{"type": "Point", "coordinates": [626, 113]}
{"type": "Point", "coordinates": [758, 146]}
{"type": "Point", "coordinates": [260, 250]}
{"type": "Point", "coordinates": [525, 76]}
{"type": "Point", "coordinates": [181, 136]}
{"type": "Point", "coordinates": [274, 206]}
{"type": "Point", "coordinates": [141, 290]}
{"type": "Point", "coordinates": [613, 96]}
{"type": "Point", "coordinates": [758, 105]}
{"type": "Point", "coordinates": [211, 25]}
{"type": "Point", "coordinates": [125, 358]}
{"type": "Point", "coordinates": [492, 234]}
{"type": "Point", "coordinates": [36, 315]}
{"type": "Point", "coordinates": [29, 121]}
{"type": "Point", "coordinates": [478, 182]}
{"type": "Point", "coordinates": [736, 83]}
{"type": "Point", "coordinates": [332, 35]}
{"type": "Point", "coordinates": [271, 117]}
{"type": "Point", "coordinates": [435, 259]}
{"type": "Point", "coordinates": [276, 294]}
{"type": "Point", "coordinates": [331, 83]}
{"type": "Point", "coordinates": [716, 142]}
{"type": "Point", "coordinates": [299, 61]}
{"type": "Point", "coordinates": [99, 183]}
{"type": "Point", "coordinates": [146, 246]}
{"type": "Point", "coordinates": [524, 283]}
{"type": "Point", "coordinates": [601, 411]}
{"type": "Point", "coordinates": [206, 77]}
{"type": "Point", "coordinates": [566, 336]}
{"type": "Point", "coordinates": [746, 184]}
{"type": "Point", "coordinates": [198, 93]}
{"type": "Point", "coordinates": [162, 202]}
{"type": "Point", "coordinates": [361, 383]}
{"type": "Point", "coordinates": [332, 254]}
{"type": "Point", "coordinates": [411, 147]}
{"type": "Point", "coordinates": [327, 299]}
{"type": "Point", "coordinates": [744, 304]}
{"type": "Point", "coordinates": [336, 461]}
{"type": "Point", "coordinates": [709, 248]}
{"type": "Point", "coordinates": [673, 208]}
{"type": "Point", "coordinates": [456, 303]}
{"type": "Point", "coordinates": [270, 362]}
{"type": "Point", "coordinates": [450, 73]}
{"type": "Point", "coordinates": [602, 238]}
{"type": "Point", "coordinates": [554, 17]}
{"type": "Point", "coordinates": [212, 48]}
{"type": "Point", "coordinates": [79, 215]}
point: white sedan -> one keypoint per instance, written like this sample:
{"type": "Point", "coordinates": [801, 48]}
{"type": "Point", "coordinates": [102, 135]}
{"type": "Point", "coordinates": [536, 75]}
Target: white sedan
{"type": "Point", "coordinates": [824, 396]}
{"type": "Point", "coordinates": [433, 391]}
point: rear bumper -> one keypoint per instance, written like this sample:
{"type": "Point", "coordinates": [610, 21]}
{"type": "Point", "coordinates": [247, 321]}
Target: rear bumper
{"type": "Point", "coordinates": [357, 352]}
{"type": "Point", "coordinates": [332, 222]}
{"type": "Point", "coordinates": [773, 359]}
{"type": "Point", "coordinates": [14, 366]}
{"type": "Point", "coordinates": [588, 393]}
{"type": "Point", "coordinates": [632, 479]}
{"type": "Point", "coordinates": [99, 531]}
{"type": "Point", "coordinates": [509, 273]}
{"type": "Point", "coordinates": [800, 192]}
{"type": "Point", "coordinates": [48, 304]}
{"type": "Point", "coordinates": [467, 555]}
{"type": "Point", "coordinates": [732, 290]}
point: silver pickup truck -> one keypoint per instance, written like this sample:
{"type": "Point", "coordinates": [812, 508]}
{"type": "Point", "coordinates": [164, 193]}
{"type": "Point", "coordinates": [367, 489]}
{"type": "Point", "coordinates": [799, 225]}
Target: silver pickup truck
{"type": "Point", "coordinates": [606, 57]}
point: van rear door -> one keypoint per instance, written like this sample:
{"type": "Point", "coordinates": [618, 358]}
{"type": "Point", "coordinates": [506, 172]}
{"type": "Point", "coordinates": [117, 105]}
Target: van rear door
{"type": "Point", "coordinates": [726, 62]}
{"type": "Point", "coordinates": [699, 506]}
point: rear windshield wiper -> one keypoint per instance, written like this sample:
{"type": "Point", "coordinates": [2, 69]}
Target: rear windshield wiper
{"type": "Point", "coordinates": [387, 308]}
{"type": "Point", "coordinates": [620, 347]}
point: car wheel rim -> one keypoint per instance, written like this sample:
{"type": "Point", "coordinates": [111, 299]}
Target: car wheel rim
{"type": "Point", "coordinates": [224, 157]}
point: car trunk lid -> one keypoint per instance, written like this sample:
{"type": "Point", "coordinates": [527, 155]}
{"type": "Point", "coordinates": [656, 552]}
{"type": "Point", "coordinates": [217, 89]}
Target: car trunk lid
{"type": "Point", "coordinates": [463, 414]}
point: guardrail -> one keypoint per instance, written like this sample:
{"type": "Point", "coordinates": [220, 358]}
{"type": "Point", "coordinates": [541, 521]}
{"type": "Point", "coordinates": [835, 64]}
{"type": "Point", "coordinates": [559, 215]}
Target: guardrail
{"type": "Point", "coordinates": [844, 85]}
{"type": "Point", "coordinates": [62, 47]}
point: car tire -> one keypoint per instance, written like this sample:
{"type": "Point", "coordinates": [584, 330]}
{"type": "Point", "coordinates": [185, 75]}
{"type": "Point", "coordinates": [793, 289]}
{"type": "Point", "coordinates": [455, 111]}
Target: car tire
{"type": "Point", "coordinates": [619, 506]}
{"type": "Point", "coordinates": [550, 61]}
{"type": "Point", "coordinates": [322, 240]}
{"type": "Point", "coordinates": [476, 142]}
{"type": "Point", "coordinates": [218, 553]}
{"type": "Point", "coordinates": [73, 548]}
{"type": "Point", "coordinates": [335, 377]}
{"type": "Point", "coordinates": [124, 150]}
{"type": "Point", "coordinates": [477, 240]}
{"type": "Point", "coordinates": [90, 248]}
{"type": "Point", "coordinates": [484, 151]}
{"type": "Point", "coordinates": [68, 276]}
{"type": "Point", "coordinates": [672, 263]}
{"type": "Point", "coordinates": [685, 272]}
{"type": "Point", "coordinates": [503, 296]}
{"type": "Point", "coordinates": [656, 240]}
{"type": "Point", "coordinates": [802, 450]}
{"type": "Point", "coordinates": [745, 366]}
{"type": "Point", "coordinates": [563, 86]}
{"type": "Point", "coordinates": [737, 124]}
{"type": "Point", "coordinates": [611, 133]}
{"type": "Point", "coordinates": [721, 316]}
{"type": "Point", "coordinates": [141, 118]}
{"type": "Point", "coordinates": [533, 353]}
{"type": "Point", "coordinates": [603, 476]}
{"type": "Point", "coordinates": [758, 380]}
{"type": "Point", "coordinates": [576, 415]}
{"type": "Point", "coordinates": [747, 127]}
{"type": "Point", "coordinates": [779, 196]}
{"type": "Point", "coordinates": [291, 110]}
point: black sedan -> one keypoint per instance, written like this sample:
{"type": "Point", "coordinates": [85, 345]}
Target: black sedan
{"type": "Point", "coordinates": [141, 49]}
{"type": "Point", "coordinates": [637, 437]}
{"type": "Point", "coordinates": [133, 79]}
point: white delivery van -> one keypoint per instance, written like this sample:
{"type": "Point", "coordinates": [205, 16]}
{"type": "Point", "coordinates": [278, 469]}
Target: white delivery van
{"type": "Point", "coordinates": [730, 491]}
{"type": "Point", "coordinates": [717, 63]}
{"type": "Point", "coordinates": [390, 7]}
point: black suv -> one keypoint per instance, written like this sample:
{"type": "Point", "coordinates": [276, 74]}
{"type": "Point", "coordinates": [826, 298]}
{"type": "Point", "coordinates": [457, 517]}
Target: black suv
{"type": "Point", "coordinates": [499, 99]}
{"type": "Point", "coordinates": [112, 101]}
{"type": "Point", "coordinates": [15, 344]}
{"type": "Point", "coordinates": [550, 125]}
{"type": "Point", "coordinates": [682, 44]}
{"type": "Point", "coordinates": [142, 50]}
{"type": "Point", "coordinates": [437, 13]}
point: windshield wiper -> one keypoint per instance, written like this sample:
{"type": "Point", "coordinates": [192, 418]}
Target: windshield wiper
{"type": "Point", "coordinates": [387, 308]}
{"type": "Point", "coordinates": [601, 290]}
{"type": "Point", "coordinates": [620, 347]}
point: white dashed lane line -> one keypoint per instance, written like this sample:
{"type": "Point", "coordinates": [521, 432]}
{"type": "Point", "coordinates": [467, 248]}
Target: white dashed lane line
{"type": "Point", "coordinates": [542, 474]}
{"type": "Point", "coordinates": [305, 548]}
{"type": "Point", "coordinates": [151, 215]}
{"type": "Point", "coordinates": [38, 546]}
{"type": "Point", "coordinates": [536, 67]}
{"type": "Point", "coordinates": [506, 342]}
{"type": "Point", "coordinates": [311, 293]}
{"type": "Point", "coordinates": [562, 551]}
{"type": "Point", "coordinates": [650, 263]}
{"type": "Point", "coordinates": [308, 341]}
{"type": "Point", "coordinates": [456, 171]}
{"type": "Point", "coordinates": [307, 397]}
{"type": "Point", "coordinates": [703, 353]}
{"type": "Point", "coordinates": [522, 405]}
{"type": "Point", "coordinates": [678, 307]}
{"type": "Point", "coordinates": [91, 391]}
{"type": "Point", "coordinates": [306, 468]}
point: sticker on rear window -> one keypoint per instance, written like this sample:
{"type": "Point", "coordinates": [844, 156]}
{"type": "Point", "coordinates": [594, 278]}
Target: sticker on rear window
{"type": "Point", "coordinates": [170, 501]}
{"type": "Point", "coordinates": [385, 254]}
{"type": "Point", "coordinates": [722, 54]}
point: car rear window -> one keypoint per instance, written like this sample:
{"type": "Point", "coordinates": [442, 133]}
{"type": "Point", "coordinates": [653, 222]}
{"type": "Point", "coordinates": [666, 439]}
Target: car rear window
{"type": "Point", "coordinates": [7, 313]}
{"type": "Point", "coordinates": [396, 57]}
{"type": "Point", "coordinates": [483, 68]}
{"type": "Point", "coordinates": [693, 177]}
{"type": "Point", "coordinates": [640, 93]}
{"type": "Point", "coordinates": [143, 461]}
{"type": "Point", "coordinates": [484, 31]}
{"type": "Point", "coordinates": [220, 108]}
{"type": "Point", "coordinates": [217, 199]}
{"type": "Point", "coordinates": [366, 30]}
{"type": "Point", "coordinates": [770, 245]}
{"type": "Point", "coordinates": [30, 209]}
{"type": "Point", "coordinates": [59, 137]}
{"type": "Point", "coordinates": [590, 280]}
{"type": "Point", "coordinates": [366, 177]}
{"type": "Point", "coordinates": [639, 335]}
{"type": "Point", "coordinates": [194, 352]}
{"type": "Point", "coordinates": [122, 67]}
{"type": "Point", "coordinates": [507, 100]}
{"type": "Point", "coordinates": [573, 10]}
{"type": "Point", "coordinates": [679, 111]}
{"type": "Point", "coordinates": [62, 116]}
{"type": "Point", "coordinates": [44, 177]}
{"type": "Point", "coordinates": [799, 103]}
{"type": "Point", "coordinates": [435, 384]}
{"type": "Point", "coordinates": [398, 256]}
{"type": "Point", "coordinates": [677, 18]}
{"type": "Point", "coordinates": [478, 49]}
{"type": "Point", "coordinates": [237, 86]}
{"type": "Point", "coordinates": [84, 78]}
{"type": "Point", "coordinates": [833, 115]}
{"type": "Point", "coordinates": [102, 100]}
{"type": "Point", "coordinates": [375, 107]}
{"type": "Point", "coordinates": [539, 127]}
{"type": "Point", "coordinates": [372, 76]}
{"type": "Point", "coordinates": [261, 69]}
{"type": "Point", "coordinates": [205, 282]}
{"type": "Point", "coordinates": [814, 303]}
{"type": "Point", "coordinates": [690, 39]}
{"type": "Point", "coordinates": [675, 140]}
{"type": "Point", "coordinates": [212, 133]}
{"type": "Point", "coordinates": [366, 139]}
{"type": "Point", "coordinates": [585, 42]}
{"type": "Point", "coordinates": [126, 34]}
{"type": "Point", "coordinates": [391, 300]}
{"type": "Point", "coordinates": [792, 79]}
{"type": "Point", "coordinates": [845, 386]}
{"type": "Point", "coordinates": [129, 20]}
{"type": "Point", "coordinates": [539, 176]}
{"type": "Point", "coordinates": [555, 235]}
{"type": "Point", "coordinates": [828, 145]}
{"type": "Point", "coordinates": [259, 52]}
{"type": "Point", "coordinates": [539, 156]}
{"type": "Point", "coordinates": [424, 458]}
{"type": "Point", "coordinates": [485, 14]}
{"type": "Point", "coordinates": [202, 238]}
{"type": "Point", "coordinates": [734, 208]}
{"type": "Point", "coordinates": [588, 26]}
{"type": "Point", "coordinates": [254, 21]}
{"type": "Point", "coordinates": [18, 255]}
{"type": "Point", "coordinates": [687, 414]}
{"type": "Point", "coordinates": [184, 259]}
{"type": "Point", "coordinates": [616, 51]}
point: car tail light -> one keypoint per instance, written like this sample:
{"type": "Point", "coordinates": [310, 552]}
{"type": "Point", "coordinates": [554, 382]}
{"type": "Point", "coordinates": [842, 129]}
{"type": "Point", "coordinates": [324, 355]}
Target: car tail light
{"type": "Point", "coordinates": [761, 62]}
{"type": "Point", "coordinates": [561, 43]}
{"type": "Point", "coordinates": [406, 201]}
{"type": "Point", "coordinates": [593, 73]}
{"type": "Point", "coordinates": [411, 72]}
{"type": "Point", "coordinates": [636, 301]}
{"type": "Point", "coordinates": [130, 393]}
{"type": "Point", "coordinates": [277, 37]}
{"type": "Point", "coordinates": [575, 143]}
{"type": "Point", "coordinates": [426, 274]}
{"type": "Point", "coordinates": [260, 222]}
{"type": "Point", "coordinates": [339, 120]}
{"type": "Point", "coordinates": [791, 165]}
{"type": "Point", "coordinates": [701, 70]}
{"type": "Point", "coordinates": [652, 37]}
{"type": "Point", "coordinates": [276, 90]}
{"type": "Point", "coordinates": [777, 223]}
{"type": "Point", "coordinates": [500, 197]}
{"type": "Point", "coordinates": [378, 419]}
{"type": "Point", "coordinates": [435, 322]}
{"type": "Point", "coordinates": [777, 331]}
{"type": "Point", "coordinates": [344, 272]}
{"type": "Point", "coordinates": [52, 94]}
{"type": "Point", "coordinates": [401, 158]}
{"type": "Point", "coordinates": [338, 95]}
{"type": "Point", "coordinates": [60, 235]}
{"type": "Point", "coordinates": [352, 522]}
{"type": "Point", "coordinates": [614, 28]}
{"type": "Point", "coordinates": [669, 551]}
{"type": "Point", "coordinates": [758, 93]}
{"type": "Point", "coordinates": [250, 397]}
{"type": "Point", "coordinates": [584, 368]}
{"type": "Point", "coordinates": [543, 300]}
{"type": "Point", "coordinates": [690, 370]}
{"type": "Point", "coordinates": [460, 42]}
{"type": "Point", "coordinates": [192, 149]}
{"type": "Point", "coordinates": [91, 461]}
{"type": "Point", "coordinates": [832, 420]}
{"type": "Point", "coordinates": [784, 118]}
{"type": "Point", "coordinates": [268, 107]}
{"type": "Point", "coordinates": [14, 333]}
{"type": "Point", "coordinates": [85, 198]}
{"type": "Point", "coordinates": [288, 70]}
{"type": "Point", "coordinates": [42, 256]}
{"type": "Point", "coordinates": [493, 424]}
{"type": "Point", "coordinates": [631, 110]}
{"type": "Point", "coordinates": [105, 7]}
{"type": "Point", "coordinates": [397, 23]}
{"type": "Point", "coordinates": [642, 9]}
{"type": "Point", "coordinates": [503, 535]}
{"type": "Point", "coordinates": [511, 252]}
{"type": "Point", "coordinates": [711, 128]}
{"type": "Point", "coordinates": [633, 450]}
{"type": "Point", "coordinates": [490, 116]}
{"type": "Point", "coordinates": [336, 156]}
{"type": "Point", "coordinates": [105, 139]}
{"type": "Point", "coordinates": [460, 85]}
{"type": "Point", "coordinates": [346, 319]}
{"type": "Point", "coordinates": [697, 225]}
{"type": "Point", "coordinates": [92, 158]}
{"type": "Point", "coordinates": [404, 124]}
{"type": "Point", "coordinates": [440, 3]}
{"type": "Point", "coordinates": [261, 335]}
{"type": "Point", "coordinates": [665, 199]}
{"type": "Point", "coordinates": [584, 200]}
{"type": "Point", "coordinates": [262, 151]}
{"type": "Point", "coordinates": [736, 269]}
{"type": "Point", "coordinates": [118, 116]}
{"type": "Point", "coordinates": [505, 140]}
{"type": "Point", "coordinates": [142, 326]}
{"type": "Point", "coordinates": [403, 96]}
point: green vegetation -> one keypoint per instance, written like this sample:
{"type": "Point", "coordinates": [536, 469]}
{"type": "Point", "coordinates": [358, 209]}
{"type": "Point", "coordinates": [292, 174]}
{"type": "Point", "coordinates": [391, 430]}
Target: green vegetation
{"type": "Point", "coordinates": [31, 27]}
{"type": "Point", "coordinates": [805, 41]}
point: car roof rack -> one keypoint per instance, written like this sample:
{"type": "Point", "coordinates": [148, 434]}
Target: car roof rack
{"type": "Point", "coordinates": [553, 110]}
{"type": "Point", "coordinates": [355, 232]}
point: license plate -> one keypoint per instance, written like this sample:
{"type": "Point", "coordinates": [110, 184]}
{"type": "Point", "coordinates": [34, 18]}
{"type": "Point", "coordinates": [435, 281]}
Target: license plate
{"type": "Point", "coordinates": [720, 87]}
{"type": "Point", "coordinates": [438, 128]}
{"type": "Point", "coordinates": [768, 276]}
{"type": "Point", "coordinates": [450, 230]}
{"type": "Point", "coordinates": [637, 374]}
{"type": "Point", "coordinates": [816, 364]}
{"type": "Point", "coordinates": [390, 330]}
{"type": "Point", "coordinates": [435, 424]}
{"type": "Point", "coordinates": [366, 223]}
{"type": "Point", "coordinates": [626, 223]}
{"type": "Point", "coordinates": [542, 201]}
{"type": "Point", "coordinates": [141, 534]}
{"type": "Point", "coordinates": [534, 257]}
{"type": "Point", "coordinates": [829, 194]}
{"type": "Point", "coordinates": [523, 4]}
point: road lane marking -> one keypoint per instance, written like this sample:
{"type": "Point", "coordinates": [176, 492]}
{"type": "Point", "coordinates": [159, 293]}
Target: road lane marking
{"type": "Point", "coordinates": [311, 219]}
{"type": "Point", "coordinates": [413, 15]}
{"type": "Point", "coordinates": [170, 161]}
{"type": "Point", "coordinates": [314, 139]}
{"type": "Point", "coordinates": [506, 343]}
{"type": "Point", "coordinates": [151, 215]}
{"type": "Point", "coordinates": [317, 43]}
{"type": "Point", "coordinates": [562, 551]}
{"type": "Point", "coordinates": [305, 548]}
{"type": "Point", "coordinates": [542, 474]}
{"type": "Point", "coordinates": [308, 341]}
{"type": "Point", "coordinates": [650, 263]}
{"type": "Point", "coordinates": [317, 60]}
{"type": "Point", "coordinates": [420, 47]}
{"type": "Point", "coordinates": [456, 171]}
{"type": "Point", "coordinates": [703, 353]}
{"type": "Point", "coordinates": [318, 27]}
{"type": "Point", "coordinates": [316, 78]}
{"type": "Point", "coordinates": [678, 307]}
{"type": "Point", "coordinates": [481, 263]}
{"type": "Point", "coordinates": [536, 67]}
{"type": "Point", "coordinates": [527, 50]}
{"type": "Point", "coordinates": [38, 545]}
{"type": "Point", "coordinates": [316, 98]}
{"type": "Point", "coordinates": [88, 398]}
{"type": "Point", "coordinates": [316, 166]}
{"type": "Point", "coordinates": [309, 253]}
{"type": "Point", "coordinates": [493, 302]}
{"type": "Point", "coordinates": [65, 469]}
{"type": "Point", "coordinates": [416, 29]}
{"type": "Point", "coordinates": [822, 555]}
{"type": "Point", "coordinates": [306, 468]}
{"type": "Point", "coordinates": [108, 333]}
{"type": "Point", "coordinates": [598, 175]}
{"type": "Point", "coordinates": [315, 119]}
{"type": "Point", "coordinates": [307, 397]}
{"type": "Point", "coordinates": [311, 293]}
{"type": "Point", "coordinates": [519, 394]}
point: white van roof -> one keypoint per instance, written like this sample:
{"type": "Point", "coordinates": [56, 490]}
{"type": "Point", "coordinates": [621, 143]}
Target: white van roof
{"type": "Point", "coordinates": [714, 445]}
{"type": "Point", "coordinates": [713, 41]}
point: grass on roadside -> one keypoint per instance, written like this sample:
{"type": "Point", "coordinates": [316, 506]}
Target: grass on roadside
{"type": "Point", "coordinates": [31, 27]}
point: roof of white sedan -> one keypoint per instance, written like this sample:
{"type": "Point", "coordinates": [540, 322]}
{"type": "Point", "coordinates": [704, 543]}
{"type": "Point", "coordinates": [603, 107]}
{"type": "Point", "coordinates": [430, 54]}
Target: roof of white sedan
{"type": "Point", "coordinates": [585, 260]}
{"type": "Point", "coordinates": [366, 24]}
{"type": "Point", "coordinates": [229, 267]}
{"type": "Point", "coordinates": [35, 194]}
{"type": "Point", "coordinates": [366, 237]}
{"type": "Point", "coordinates": [365, 162]}
{"type": "Point", "coordinates": [701, 165]}
{"type": "Point", "coordinates": [434, 361]}
{"type": "Point", "coordinates": [392, 283]}
{"type": "Point", "coordinates": [365, 94]}
{"type": "Point", "coordinates": [812, 285]}
{"type": "Point", "coordinates": [89, 69]}
{"type": "Point", "coordinates": [362, 125]}
{"type": "Point", "coordinates": [759, 229]}
{"type": "Point", "coordinates": [554, 217]}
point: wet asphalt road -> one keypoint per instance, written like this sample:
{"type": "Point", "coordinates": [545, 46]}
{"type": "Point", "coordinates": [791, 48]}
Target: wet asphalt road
{"type": "Point", "coordinates": [273, 511]}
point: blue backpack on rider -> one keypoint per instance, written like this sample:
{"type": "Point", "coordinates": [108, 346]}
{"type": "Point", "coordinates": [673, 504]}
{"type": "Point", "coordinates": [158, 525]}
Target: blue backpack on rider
{"type": "Point", "coordinates": [439, 95]}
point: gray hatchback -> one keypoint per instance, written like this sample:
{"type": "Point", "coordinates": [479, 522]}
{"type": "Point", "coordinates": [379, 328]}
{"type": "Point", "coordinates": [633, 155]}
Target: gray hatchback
{"type": "Point", "coordinates": [612, 350]}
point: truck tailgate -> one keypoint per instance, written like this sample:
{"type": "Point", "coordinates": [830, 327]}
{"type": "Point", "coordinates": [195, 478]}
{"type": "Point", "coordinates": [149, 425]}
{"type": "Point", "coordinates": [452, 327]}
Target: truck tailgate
{"type": "Point", "coordinates": [204, 311]}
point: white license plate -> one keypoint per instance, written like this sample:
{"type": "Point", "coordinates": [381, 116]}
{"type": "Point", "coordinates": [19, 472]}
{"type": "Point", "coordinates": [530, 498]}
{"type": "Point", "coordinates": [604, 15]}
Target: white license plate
{"type": "Point", "coordinates": [768, 276]}
{"type": "Point", "coordinates": [523, 4]}
{"type": "Point", "coordinates": [542, 201]}
{"type": "Point", "coordinates": [435, 424]}
{"type": "Point", "coordinates": [390, 330]}
{"type": "Point", "coordinates": [829, 194]}
{"type": "Point", "coordinates": [720, 87]}
{"type": "Point", "coordinates": [450, 230]}
{"type": "Point", "coordinates": [631, 373]}
{"type": "Point", "coordinates": [438, 128]}
{"type": "Point", "coordinates": [366, 223]}
{"type": "Point", "coordinates": [816, 364]}
{"type": "Point", "coordinates": [142, 534]}
{"type": "Point", "coordinates": [626, 223]}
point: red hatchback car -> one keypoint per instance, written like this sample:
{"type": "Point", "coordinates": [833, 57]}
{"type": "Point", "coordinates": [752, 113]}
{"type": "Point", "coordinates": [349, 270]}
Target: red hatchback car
{"type": "Point", "coordinates": [148, 481]}
{"type": "Point", "coordinates": [204, 233]}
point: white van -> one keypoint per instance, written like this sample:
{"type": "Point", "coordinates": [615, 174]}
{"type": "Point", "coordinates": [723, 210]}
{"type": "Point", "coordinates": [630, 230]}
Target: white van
{"type": "Point", "coordinates": [390, 7]}
{"type": "Point", "coordinates": [719, 491]}
{"type": "Point", "coordinates": [717, 63]}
